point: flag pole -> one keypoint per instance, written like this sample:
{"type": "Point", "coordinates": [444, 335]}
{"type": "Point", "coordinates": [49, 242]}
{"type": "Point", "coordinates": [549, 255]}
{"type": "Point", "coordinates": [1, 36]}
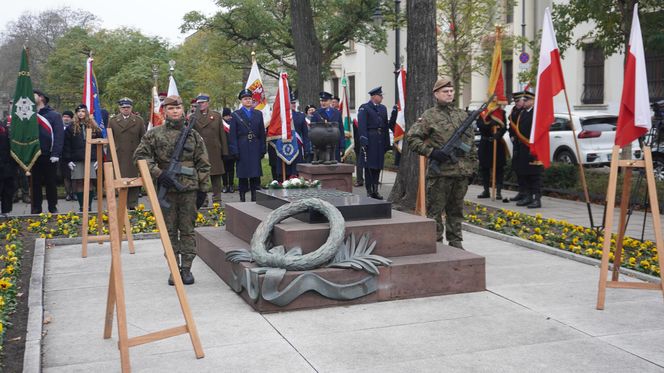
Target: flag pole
{"type": "Point", "coordinates": [579, 162]}
{"type": "Point", "coordinates": [283, 171]}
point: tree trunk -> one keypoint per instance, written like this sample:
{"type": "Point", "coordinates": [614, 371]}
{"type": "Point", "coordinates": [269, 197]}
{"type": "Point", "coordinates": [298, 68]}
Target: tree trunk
{"type": "Point", "coordinates": [422, 73]}
{"type": "Point", "coordinates": [308, 52]}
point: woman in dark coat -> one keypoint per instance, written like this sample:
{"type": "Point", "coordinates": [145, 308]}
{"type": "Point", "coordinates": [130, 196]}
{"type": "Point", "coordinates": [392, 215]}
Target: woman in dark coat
{"type": "Point", "coordinates": [246, 141]}
{"type": "Point", "coordinates": [7, 172]}
{"type": "Point", "coordinates": [73, 152]}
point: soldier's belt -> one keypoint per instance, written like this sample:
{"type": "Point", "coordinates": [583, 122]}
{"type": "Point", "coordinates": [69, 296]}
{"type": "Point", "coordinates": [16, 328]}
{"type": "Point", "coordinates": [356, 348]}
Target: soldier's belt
{"type": "Point", "coordinates": [250, 136]}
{"type": "Point", "coordinates": [189, 171]}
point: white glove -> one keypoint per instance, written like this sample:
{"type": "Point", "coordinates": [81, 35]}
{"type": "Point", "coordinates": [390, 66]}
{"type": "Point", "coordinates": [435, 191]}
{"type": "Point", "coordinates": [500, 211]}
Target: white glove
{"type": "Point", "coordinates": [95, 165]}
{"type": "Point", "coordinates": [71, 165]}
{"type": "Point", "coordinates": [54, 159]}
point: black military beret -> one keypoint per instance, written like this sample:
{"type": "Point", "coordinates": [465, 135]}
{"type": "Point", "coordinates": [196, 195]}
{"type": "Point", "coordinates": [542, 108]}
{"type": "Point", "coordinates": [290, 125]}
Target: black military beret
{"type": "Point", "coordinates": [39, 92]}
{"type": "Point", "coordinates": [244, 93]}
{"type": "Point", "coordinates": [376, 91]}
{"type": "Point", "coordinates": [324, 96]}
{"type": "Point", "coordinates": [81, 107]}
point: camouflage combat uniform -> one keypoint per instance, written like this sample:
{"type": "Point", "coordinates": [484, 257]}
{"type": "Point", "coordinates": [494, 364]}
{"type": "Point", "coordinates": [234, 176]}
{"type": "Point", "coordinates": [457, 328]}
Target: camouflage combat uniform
{"type": "Point", "coordinates": [447, 187]}
{"type": "Point", "coordinates": [156, 148]}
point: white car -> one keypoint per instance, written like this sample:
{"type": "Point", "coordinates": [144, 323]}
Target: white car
{"type": "Point", "coordinates": [595, 133]}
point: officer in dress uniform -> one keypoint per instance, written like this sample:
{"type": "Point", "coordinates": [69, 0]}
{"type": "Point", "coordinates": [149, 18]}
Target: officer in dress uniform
{"type": "Point", "coordinates": [327, 113]}
{"type": "Point", "coordinates": [210, 126]}
{"type": "Point", "coordinates": [527, 165]}
{"type": "Point", "coordinates": [300, 126]}
{"type": "Point", "coordinates": [492, 128]}
{"type": "Point", "coordinates": [247, 142]}
{"type": "Point", "coordinates": [374, 139]}
{"type": "Point", "coordinates": [517, 145]}
{"type": "Point", "coordinates": [128, 129]}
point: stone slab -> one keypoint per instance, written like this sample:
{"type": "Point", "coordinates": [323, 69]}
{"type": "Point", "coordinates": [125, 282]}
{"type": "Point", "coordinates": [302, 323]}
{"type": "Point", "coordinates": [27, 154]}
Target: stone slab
{"type": "Point", "coordinates": [337, 176]}
{"type": "Point", "coordinates": [351, 206]}
{"type": "Point", "coordinates": [448, 271]}
{"type": "Point", "coordinates": [402, 234]}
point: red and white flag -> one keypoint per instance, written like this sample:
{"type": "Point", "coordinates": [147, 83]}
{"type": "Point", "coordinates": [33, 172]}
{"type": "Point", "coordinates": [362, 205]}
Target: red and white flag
{"type": "Point", "coordinates": [156, 117]}
{"type": "Point", "coordinates": [280, 126]}
{"type": "Point", "coordinates": [255, 85]}
{"type": "Point", "coordinates": [634, 116]}
{"type": "Point", "coordinates": [400, 125]}
{"type": "Point", "coordinates": [550, 82]}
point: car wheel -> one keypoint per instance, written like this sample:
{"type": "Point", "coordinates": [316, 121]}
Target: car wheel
{"type": "Point", "coordinates": [565, 156]}
{"type": "Point", "coordinates": [658, 166]}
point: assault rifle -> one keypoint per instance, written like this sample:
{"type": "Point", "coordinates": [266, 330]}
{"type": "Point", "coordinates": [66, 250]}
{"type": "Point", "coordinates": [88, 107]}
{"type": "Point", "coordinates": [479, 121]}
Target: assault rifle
{"type": "Point", "coordinates": [175, 165]}
{"type": "Point", "coordinates": [456, 141]}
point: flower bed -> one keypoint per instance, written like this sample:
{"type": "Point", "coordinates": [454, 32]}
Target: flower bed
{"type": "Point", "coordinates": [637, 255]}
{"type": "Point", "coordinates": [10, 270]}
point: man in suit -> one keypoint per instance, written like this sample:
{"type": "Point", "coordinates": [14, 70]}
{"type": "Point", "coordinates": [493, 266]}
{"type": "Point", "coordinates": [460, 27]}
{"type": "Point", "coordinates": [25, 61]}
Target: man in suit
{"type": "Point", "coordinates": [373, 128]}
{"type": "Point", "coordinates": [247, 143]}
{"type": "Point", "coordinates": [210, 126]}
{"type": "Point", "coordinates": [128, 129]}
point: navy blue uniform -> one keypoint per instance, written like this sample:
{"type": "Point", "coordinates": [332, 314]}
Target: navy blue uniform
{"type": "Point", "coordinates": [374, 139]}
{"type": "Point", "coordinates": [44, 172]}
{"type": "Point", "coordinates": [485, 150]}
{"type": "Point", "coordinates": [333, 115]}
{"type": "Point", "coordinates": [246, 141]}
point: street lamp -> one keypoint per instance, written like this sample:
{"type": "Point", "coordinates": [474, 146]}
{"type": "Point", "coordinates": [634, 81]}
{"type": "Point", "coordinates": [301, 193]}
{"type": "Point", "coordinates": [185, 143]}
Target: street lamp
{"type": "Point", "coordinates": [171, 63]}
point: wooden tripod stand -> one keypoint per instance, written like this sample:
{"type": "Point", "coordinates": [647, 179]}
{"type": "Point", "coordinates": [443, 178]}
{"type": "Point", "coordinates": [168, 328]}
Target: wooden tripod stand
{"type": "Point", "coordinates": [627, 166]}
{"type": "Point", "coordinates": [100, 238]}
{"type": "Point", "coordinates": [116, 301]}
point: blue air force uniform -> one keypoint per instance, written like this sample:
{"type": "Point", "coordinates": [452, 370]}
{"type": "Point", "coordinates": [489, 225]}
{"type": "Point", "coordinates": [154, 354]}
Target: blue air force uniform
{"type": "Point", "coordinates": [246, 141]}
{"type": "Point", "coordinates": [331, 115]}
{"type": "Point", "coordinates": [373, 129]}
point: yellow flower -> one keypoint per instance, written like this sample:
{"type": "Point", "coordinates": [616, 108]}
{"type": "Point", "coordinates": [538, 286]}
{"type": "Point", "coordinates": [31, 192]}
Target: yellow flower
{"type": "Point", "coordinates": [632, 261]}
{"type": "Point", "coordinates": [645, 264]}
{"type": "Point", "coordinates": [9, 269]}
{"type": "Point", "coordinates": [5, 284]}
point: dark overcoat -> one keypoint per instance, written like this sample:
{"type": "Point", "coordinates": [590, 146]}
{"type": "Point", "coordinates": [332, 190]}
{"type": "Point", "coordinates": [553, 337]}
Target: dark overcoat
{"type": "Point", "coordinates": [373, 126]}
{"type": "Point", "coordinates": [247, 142]}
{"type": "Point", "coordinates": [127, 133]}
{"type": "Point", "coordinates": [485, 148]}
{"type": "Point", "coordinates": [524, 163]}
{"type": "Point", "coordinates": [211, 127]}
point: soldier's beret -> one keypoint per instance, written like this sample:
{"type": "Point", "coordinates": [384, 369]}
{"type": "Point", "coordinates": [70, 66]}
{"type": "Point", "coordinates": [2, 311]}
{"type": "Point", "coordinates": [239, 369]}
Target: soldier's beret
{"type": "Point", "coordinates": [226, 112]}
{"type": "Point", "coordinates": [203, 97]}
{"type": "Point", "coordinates": [81, 107]}
{"type": "Point", "coordinates": [193, 101]}
{"type": "Point", "coordinates": [39, 92]}
{"type": "Point", "coordinates": [68, 113]}
{"type": "Point", "coordinates": [442, 82]}
{"type": "Point", "coordinates": [376, 91]}
{"type": "Point", "coordinates": [162, 94]}
{"type": "Point", "coordinates": [292, 96]}
{"type": "Point", "coordinates": [244, 93]}
{"type": "Point", "coordinates": [324, 96]}
{"type": "Point", "coordinates": [125, 102]}
{"type": "Point", "coordinates": [172, 100]}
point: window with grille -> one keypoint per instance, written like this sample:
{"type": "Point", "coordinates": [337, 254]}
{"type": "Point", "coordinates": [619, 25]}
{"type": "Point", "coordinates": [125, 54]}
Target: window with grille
{"type": "Point", "coordinates": [655, 72]}
{"type": "Point", "coordinates": [593, 75]}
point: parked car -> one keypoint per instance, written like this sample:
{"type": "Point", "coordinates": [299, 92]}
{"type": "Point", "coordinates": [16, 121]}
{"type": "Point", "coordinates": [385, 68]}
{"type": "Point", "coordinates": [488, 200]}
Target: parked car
{"type": "Point", "coordinates": [595, 133]}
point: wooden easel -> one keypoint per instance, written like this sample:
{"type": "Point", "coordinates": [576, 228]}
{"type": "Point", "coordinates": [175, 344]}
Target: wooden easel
{"type": "Point", "coordinates": [100, 238]}
{"type": "Point", "coordinates": [420, 202]}
{"type": "Point", "coordinates": [116, 301]}
{"type": "Point", "coordinates": [627, 166]}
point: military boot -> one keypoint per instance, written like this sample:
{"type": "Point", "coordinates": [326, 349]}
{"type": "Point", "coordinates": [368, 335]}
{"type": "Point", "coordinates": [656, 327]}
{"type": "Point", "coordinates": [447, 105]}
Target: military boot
{"type": "Point", "coordinates": [498, 194]}
{"type": "Point", "coordinates": [242, 197]}
{"type": "Point", "coordinates": [484, 194]}
{"type": "Point", "coordinates": [187, 276]}
{"type": "Point", "coordinates": [170, 280]}
{"type": "Point", "coordinates": [518, 197]}
{"type": "Point", "coordinates": [376, 195]}
{"type": "Point", "coordinates": [527, 200]}
{"type": "Point", "coordinates": [536, 203]}
{"type": "Point", "coordinates": [456, 244]}
{"type": "Point", "coordinates": [253, 196]}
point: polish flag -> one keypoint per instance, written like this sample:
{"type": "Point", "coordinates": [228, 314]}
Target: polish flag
{"type": "Point", "coordinates": [280, 126]}
{"type": "Point", "coordinates": [634, 116]}
{"type": "Point", "coordinates": [156, 117]}
{"type": "Point", "coordinates": [550, 82]}
{"type": "Point", "coordinates": [400, 125]}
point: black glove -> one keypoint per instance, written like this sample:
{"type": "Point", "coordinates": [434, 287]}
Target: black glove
{"type": "Point", "coordinates": [497, 136]}
{"type": "Point", "coordinates": [200, 199]}
{"type": "Point", "coordinates": [166, 181]}
{"type": "Point", "coordinates": [438, 155]}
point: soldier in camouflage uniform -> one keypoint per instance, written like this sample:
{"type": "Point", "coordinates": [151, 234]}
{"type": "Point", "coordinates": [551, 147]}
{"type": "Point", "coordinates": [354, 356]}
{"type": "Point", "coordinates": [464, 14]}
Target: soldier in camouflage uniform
{"type": "Point", "coordinates": [447, 187]}
{"type": "Point", "coordinates": [156, 148]}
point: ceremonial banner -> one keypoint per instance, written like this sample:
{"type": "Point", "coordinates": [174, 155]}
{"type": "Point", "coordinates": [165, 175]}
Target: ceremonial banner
{"type": "Point", "coordinates": [255, 85]}
{"type": "Point", "coordinates": [496, 85]}
{"type": "Point", "coordinates": [172, 87]}
{"type": "Point", "coordinates": [24, 130]}
{"type": "Point", "coordinates": [280, 131]}
{"type": "Point", "coordinates": [400, 125]}
{"type": "Point", "coordinates": [156, 117]}
{"type": "Point", "coordinates": [634, 115]}
{"type": "Point", "coordinates": [349, 141]}
{"type": "Point", "coordinates": [550, 82]}
{"type": "Point", "coordinates": [91, 96]}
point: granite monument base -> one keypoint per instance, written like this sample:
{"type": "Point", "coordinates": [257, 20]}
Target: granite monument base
{"type": "Point", "coordinates": [337, 176]}
{"type": "Point", "coordinates": [420, 267]}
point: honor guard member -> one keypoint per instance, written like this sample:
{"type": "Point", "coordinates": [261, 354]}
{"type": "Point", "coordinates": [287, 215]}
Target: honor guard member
{"type": "Point", "coordinates": [229, 160]}
{"type": "Point", "coordinates": [517, 144]}
{"type": "Point", "coordinates": [492, 127]}
{"type": "Point", "coordinates": [300, 125]}
{"type": "Point", "coordinates": [335, 102]}
{"type": "Point", "coordinates": [128, 130]}
{"type": "Point", "coordinates": [247, 143]}
{"type": "Point", "coordinates": [326, 113]}
{"type": "Point", "coordinates": [526, 164]}
{"type": "Point", "coordinates": [156, 148]}
{"type": "Point", "coordinates": [211, 127]}
{"type": "Point", "coordinates": [446, 187]}
{"type": "Point", "coordinates": [374, 139]}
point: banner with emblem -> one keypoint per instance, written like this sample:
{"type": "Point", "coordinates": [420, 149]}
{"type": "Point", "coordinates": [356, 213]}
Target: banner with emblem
{"type": "Point", "coordinates": [349, 141]}
{"type": "Point", "coordinates": [156, 117]}
{"type": "Point", "coordinates": [255, 85]}
{"type": "Point", "coordinates": [280, 131]}
{"type": "Point", "coordinates": [24, 130]}
{"type": "Point", "coordinates": [91, 96]}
